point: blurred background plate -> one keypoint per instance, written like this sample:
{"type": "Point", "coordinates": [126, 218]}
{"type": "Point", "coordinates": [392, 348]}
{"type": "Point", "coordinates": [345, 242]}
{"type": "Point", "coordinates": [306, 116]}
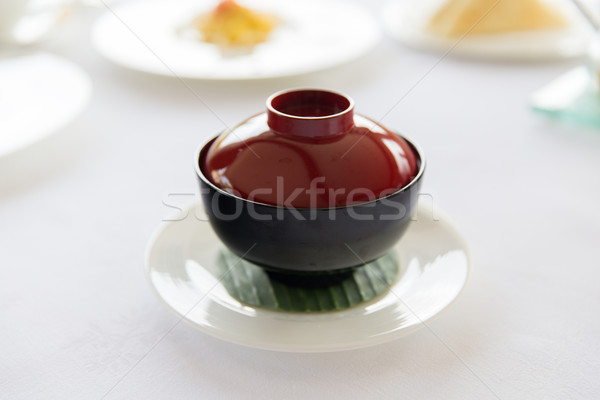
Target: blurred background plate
{"type": "Point", "coordinates": [39, 94]}
{"type": "Point", "coordinates": [406, 20]}
{"type": "Point", "coordinates": [312, 35]}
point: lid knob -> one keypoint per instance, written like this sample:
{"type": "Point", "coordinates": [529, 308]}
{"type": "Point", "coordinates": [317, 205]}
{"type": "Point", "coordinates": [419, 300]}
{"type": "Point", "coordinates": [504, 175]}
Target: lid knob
{"type": "Point", "coordinates": [310, 113]}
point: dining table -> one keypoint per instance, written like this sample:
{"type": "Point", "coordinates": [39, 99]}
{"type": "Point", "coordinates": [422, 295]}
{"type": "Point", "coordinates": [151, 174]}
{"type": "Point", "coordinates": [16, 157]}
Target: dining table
{"type": "Point", "coordinates": [79, 319]}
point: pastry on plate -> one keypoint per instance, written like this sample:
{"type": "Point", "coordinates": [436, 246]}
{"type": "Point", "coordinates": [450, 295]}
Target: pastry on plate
{"type": "Point", "coordinates": [230, 24]}
{"type": "Point", "coordinates": [486, 17]}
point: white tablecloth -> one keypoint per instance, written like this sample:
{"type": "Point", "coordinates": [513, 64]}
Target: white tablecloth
{"type": "Point", "coordinates": [78, 319]}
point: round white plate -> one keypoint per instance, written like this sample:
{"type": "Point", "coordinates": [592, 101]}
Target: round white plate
{"type": "Point", "coordinates": [406, 22]}
{"type": "Point", "coordinates": [150, 36]}
{"type": "Point", "coordinates": [181, 268]}
{"type": "Point", "coordinates": [39, 94]}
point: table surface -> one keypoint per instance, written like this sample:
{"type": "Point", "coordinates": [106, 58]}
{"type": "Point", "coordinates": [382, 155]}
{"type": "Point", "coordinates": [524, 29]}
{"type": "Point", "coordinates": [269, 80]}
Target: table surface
{"type": "Point", "coordinates": [77, 210]}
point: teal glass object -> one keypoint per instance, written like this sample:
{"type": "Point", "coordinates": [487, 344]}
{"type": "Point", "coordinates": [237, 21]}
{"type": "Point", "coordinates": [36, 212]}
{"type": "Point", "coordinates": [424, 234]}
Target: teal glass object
{"type": "Point", "coordinates": [572, 97]}
{"type": "Point", "coordinates": [305, 292]}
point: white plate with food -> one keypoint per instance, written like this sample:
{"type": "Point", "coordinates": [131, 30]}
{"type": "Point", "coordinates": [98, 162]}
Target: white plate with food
{"type": "Point", "coordinates": [182, 266]}
{"type": "Point", "coordinates": [172, 38]}
{"type": "Point", "coordinates": [510, 29]}
{"type": "Point", "coordinates": [40, 93]}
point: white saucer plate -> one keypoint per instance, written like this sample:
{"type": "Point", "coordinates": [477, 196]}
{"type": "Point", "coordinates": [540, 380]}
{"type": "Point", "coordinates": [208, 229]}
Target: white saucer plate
{"type": "Point", "coordinates": [312, 35]}
{"type": "Point", "coordinates": [406, 22]}
{"type": "Point", "coordinates": [181, 268]}
{"type": "Point", "coordinates": [39, 94]}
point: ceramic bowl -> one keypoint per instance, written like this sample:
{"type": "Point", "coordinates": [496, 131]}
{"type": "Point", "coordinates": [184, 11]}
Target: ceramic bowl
{"type": "Point", "coordinates": [309, 240]}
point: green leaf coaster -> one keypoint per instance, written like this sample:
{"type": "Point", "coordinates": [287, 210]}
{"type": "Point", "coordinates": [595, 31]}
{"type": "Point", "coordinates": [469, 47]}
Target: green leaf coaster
{"type": "Point", "coordinates": [305, 292]}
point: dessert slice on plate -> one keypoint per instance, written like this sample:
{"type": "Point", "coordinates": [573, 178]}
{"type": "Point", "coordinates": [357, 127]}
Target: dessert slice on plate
{"type": "Point", "coordinates": [506, 29]}
{"type": "Point", "coordinates": [487, 17]}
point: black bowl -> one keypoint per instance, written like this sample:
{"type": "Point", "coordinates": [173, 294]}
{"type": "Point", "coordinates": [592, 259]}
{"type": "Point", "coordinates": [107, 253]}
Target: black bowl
{"type": "Point", "coordinates": [309, 240]}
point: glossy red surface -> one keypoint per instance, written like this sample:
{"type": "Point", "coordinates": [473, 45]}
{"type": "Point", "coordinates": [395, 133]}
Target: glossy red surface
{"type": "Point", "coordinates": [310, 113]}
{"type": "Point", "coordinates": [350, 165]}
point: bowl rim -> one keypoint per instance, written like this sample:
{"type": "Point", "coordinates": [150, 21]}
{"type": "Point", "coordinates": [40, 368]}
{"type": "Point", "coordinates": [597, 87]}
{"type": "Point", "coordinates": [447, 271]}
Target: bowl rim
{"type": "Point", "coordinates": [202, 176]}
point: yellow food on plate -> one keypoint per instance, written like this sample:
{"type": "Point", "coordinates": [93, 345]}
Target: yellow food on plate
{"type": "Point", "coordinates": [231, 24]}
{"type": "Point", "coordinates": [483, 17]}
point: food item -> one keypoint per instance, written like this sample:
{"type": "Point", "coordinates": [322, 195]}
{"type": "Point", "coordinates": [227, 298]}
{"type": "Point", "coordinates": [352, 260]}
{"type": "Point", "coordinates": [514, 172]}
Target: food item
{"type": "Point", "coordinates": [310, 151]}
{"type": "Point", "coordinates": [479, 17]}
{"type": "Point", "coordinates": [231, 24]}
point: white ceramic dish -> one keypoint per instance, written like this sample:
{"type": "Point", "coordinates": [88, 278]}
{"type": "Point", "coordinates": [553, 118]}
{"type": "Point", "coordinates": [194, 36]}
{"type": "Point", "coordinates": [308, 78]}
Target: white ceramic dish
{"type": "Point", "coordinates": [180, 266]}
{"type": "Point", "coordinates": [39, 95]}
{"type": "Point", "coordinates": [152, 37]}
{"type": "Point", "coordinates": [406, 21]}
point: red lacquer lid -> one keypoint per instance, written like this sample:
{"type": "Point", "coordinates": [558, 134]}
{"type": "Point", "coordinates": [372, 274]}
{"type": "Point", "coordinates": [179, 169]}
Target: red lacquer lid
{"type": "Point", "coordinates": [309, 150]}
